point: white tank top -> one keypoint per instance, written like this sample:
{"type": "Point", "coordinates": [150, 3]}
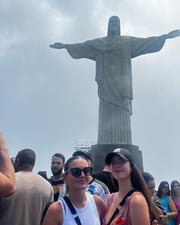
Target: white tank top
{"type": "Point", "coordinates": [87, 215]}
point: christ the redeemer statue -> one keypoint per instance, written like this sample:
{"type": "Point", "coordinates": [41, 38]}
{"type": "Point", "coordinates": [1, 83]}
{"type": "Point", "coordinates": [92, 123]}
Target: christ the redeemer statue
{"type": "Point", "coordinates": [112, 55]}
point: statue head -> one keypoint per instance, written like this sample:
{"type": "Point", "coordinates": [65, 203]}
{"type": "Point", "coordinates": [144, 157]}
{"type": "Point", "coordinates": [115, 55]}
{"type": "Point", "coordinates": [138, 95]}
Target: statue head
{"type": "Point", "coordinates": [114, 26]}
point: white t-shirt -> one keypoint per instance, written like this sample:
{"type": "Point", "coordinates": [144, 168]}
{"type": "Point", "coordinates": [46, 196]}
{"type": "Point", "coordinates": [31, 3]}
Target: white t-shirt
{"type": "Point", "coordinates": [88, 215]}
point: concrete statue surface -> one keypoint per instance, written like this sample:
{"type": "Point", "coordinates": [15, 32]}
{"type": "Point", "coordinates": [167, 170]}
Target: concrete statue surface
{"type": "Point", "coordinates": [113, 55]}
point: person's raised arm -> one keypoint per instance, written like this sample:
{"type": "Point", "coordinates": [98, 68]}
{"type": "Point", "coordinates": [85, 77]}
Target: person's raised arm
{"type": "Point", "coordinates": [7, 176]}
{"type": "Point", "coordinates": [57, 45]}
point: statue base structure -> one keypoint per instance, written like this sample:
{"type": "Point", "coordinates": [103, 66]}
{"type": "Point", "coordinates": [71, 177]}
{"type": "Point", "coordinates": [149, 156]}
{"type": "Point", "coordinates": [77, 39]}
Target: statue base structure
{"type": "Point", "coordinates": [98, 153]}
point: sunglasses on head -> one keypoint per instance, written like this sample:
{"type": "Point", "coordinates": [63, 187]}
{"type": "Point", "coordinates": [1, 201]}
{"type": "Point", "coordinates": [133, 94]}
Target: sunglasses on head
{"type": "Point", "coordinates": [76, 172]}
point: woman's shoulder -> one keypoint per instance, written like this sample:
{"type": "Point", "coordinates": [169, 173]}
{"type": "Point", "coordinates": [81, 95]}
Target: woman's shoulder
{"type": "Point", "coordinates": [100, 204]}
{"type": "Point", "coordinates": [110, 199]}
{"type": "Point", "coordinates": [56, 206]}
{"type": "Point", "coordinates": [137, 199]}
{"type": "Point", "coordinates": [111, 196]}
{"type": "Point", "coordinates": [54, 214]}
{"type": "Point", "coordinates": [138, 209]}
{"type": "Point", "coordinates": [98, 200]}
{"type": "Point", "coordinates": [136, 194]}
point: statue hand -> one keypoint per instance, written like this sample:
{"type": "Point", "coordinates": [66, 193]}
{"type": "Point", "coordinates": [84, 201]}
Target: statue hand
{"type": "Point", "coordinates": [57, 45]}
{"type": "Point", "coordinates": [173, 34]}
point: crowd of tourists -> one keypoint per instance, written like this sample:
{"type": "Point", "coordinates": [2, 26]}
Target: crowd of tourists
{"type": "Point", "coordinates": [120, 194]}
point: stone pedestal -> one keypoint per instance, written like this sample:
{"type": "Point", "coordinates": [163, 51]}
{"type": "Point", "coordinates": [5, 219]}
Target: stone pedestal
{"type": "Point", "coordinates": [98, 153]}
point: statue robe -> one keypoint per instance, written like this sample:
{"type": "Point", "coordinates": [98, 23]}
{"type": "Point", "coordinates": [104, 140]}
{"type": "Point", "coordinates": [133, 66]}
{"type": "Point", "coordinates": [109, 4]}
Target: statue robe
{"type": "Point", "coordinates": [114, 78]}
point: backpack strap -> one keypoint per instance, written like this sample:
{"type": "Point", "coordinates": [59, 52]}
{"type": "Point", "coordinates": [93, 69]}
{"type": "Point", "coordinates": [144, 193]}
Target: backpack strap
{"type": "Point", "coordinates": [72, 209]}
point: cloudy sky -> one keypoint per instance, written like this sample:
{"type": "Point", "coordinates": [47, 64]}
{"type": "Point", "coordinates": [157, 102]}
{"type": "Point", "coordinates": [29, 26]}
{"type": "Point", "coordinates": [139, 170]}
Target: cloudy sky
{"type": "Point", "coordinates": [48, 101]}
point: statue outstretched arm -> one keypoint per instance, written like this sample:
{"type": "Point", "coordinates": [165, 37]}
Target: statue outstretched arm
{"type": "Point", "coordinates": [77, 50]}
{"type": "Point", "coordinates": [173, 34]}
{"type": "Point", "coordinates": [58, 45]}
{"type": "Point", "coordinates": [142, 46]}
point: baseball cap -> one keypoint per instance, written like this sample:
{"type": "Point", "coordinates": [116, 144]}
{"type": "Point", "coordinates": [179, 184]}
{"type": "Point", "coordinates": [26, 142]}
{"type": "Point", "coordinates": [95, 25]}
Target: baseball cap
{"type": "Point", "coordinates": [123, 153]}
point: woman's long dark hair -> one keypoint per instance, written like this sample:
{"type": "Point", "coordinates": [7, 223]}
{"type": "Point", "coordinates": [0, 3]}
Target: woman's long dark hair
{"type": "Point", "coordinates": [161, 185]}
{"type": "Point", "coordinates": [172, 187]}
{"type": "Point", "coordinates": [139, 183]}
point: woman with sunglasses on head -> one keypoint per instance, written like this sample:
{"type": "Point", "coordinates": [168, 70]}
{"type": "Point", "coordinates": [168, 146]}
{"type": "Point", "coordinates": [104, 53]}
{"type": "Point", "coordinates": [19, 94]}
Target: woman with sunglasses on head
{"type": "Point", "coordinates": [89, 209]}
{"type": "Point", "coordinates": [132, 203]}
{"type": "Point", "coordinates": [164, 194]}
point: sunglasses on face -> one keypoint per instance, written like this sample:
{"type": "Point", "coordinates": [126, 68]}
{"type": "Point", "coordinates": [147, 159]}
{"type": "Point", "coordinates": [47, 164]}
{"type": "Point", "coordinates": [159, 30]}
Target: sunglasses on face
{"type": "Point", "coordinates": [76, 172]}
